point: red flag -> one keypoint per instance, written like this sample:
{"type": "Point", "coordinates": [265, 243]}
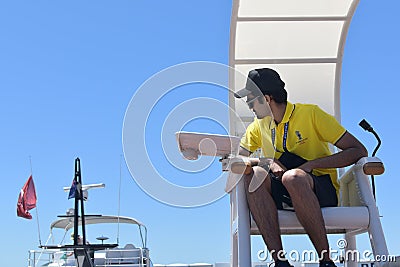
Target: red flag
{"type": "Point", "coordinates": [26, 199]}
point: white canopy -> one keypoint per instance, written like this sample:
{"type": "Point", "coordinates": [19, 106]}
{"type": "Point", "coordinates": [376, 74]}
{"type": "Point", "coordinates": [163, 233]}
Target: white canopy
{"type": "Point", "coordinates": [68, 223]}
{"type": "Point", "coordinates": [302, 40]}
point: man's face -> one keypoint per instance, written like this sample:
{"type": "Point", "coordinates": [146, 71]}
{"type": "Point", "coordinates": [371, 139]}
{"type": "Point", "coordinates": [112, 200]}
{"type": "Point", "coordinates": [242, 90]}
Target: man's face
{"type": "Point", "coordinates": [258, 105]}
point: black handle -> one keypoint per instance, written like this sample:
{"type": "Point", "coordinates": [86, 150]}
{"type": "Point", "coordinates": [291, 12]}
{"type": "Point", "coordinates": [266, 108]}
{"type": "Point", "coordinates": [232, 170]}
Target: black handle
{"type": "Point", "coordinates": [366, 126]}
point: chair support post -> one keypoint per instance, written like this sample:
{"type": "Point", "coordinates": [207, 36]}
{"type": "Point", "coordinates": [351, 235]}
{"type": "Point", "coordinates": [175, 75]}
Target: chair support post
{"type": "Point", "coordinates": [375, 231]}
{"type": "Point", "coordinates": [351, 245]}
{"type": "Point", "coordinates": [241, 246]}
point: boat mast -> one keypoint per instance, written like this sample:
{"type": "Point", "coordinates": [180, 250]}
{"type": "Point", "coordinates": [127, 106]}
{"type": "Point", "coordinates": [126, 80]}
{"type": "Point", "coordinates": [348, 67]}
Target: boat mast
{"type": "Point", "coordinates": [78, 198]}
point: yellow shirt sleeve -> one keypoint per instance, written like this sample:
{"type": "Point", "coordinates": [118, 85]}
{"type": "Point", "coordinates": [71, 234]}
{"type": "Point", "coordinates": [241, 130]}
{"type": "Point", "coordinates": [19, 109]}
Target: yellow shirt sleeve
{"type": "Point", "coordinates": [251, 140]}
{"type": "Point", "coordinates": [327, 127]}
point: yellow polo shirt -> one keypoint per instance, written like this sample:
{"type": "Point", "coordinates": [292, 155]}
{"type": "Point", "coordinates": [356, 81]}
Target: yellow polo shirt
{"type": "Point", "coordinates": [309, 132]}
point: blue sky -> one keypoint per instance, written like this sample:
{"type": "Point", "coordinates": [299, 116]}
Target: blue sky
{"type": "Point", "coordinates": [69, 70]}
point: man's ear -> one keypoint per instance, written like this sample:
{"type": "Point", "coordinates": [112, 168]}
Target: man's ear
{"type": "Point", "coordinates": [267, 98]}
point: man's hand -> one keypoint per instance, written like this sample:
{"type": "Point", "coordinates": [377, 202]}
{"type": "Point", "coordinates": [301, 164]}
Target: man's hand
{"type": "Point", "coordinates": [264, 162]}
{"type": "Point", "coordinates": [240, 165]}
{"type": "Point", "coordinates": [306, 167]}
{"type": "Point", "coordinates": [277, 168]}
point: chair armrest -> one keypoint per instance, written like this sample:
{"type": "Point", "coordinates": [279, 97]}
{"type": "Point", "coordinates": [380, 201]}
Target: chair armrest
{"type": "Point", "coordinates": [371, 165]}
{"type": "Point", "coordinates": [368, 165]}
{"type": "Point", "coordinates": [355, 189]}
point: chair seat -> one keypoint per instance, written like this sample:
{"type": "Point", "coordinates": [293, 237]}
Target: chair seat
{"type": "Point", "coordinates": [337, 220]}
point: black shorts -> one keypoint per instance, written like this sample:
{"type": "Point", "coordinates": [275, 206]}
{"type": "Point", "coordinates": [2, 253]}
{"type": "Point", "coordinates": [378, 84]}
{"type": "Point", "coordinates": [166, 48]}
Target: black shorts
{"type": "Point", "coordinates": [323, 189]}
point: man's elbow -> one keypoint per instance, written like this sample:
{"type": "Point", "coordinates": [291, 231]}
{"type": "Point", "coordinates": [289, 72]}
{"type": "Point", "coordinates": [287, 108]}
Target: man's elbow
{"type": "Point", "coordinates": [362, 152]}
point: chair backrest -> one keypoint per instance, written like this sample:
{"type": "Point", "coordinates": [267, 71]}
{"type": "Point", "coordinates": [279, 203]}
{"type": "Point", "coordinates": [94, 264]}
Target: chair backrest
{"type": "Point", "coordinates": [303, 40]}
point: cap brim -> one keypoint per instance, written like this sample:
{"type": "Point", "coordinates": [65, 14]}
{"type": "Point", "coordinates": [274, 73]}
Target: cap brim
{"type": "Point", "coordinates": [242, 93]}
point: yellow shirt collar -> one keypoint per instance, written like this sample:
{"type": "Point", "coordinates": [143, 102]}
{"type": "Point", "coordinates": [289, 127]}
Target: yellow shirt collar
{"type": "Point", "coordinates": [270, 123]}
{"type": "Point", "coordinates": [288, 112]}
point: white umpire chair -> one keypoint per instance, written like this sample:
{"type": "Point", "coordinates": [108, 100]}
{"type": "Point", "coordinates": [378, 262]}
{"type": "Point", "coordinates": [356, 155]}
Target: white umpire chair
{"type": "Point", "coordinates": [303, 40]}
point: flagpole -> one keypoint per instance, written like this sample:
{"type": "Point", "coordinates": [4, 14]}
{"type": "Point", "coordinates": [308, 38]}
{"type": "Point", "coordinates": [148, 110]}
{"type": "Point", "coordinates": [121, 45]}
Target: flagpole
{"type": "Point", "coordinates": [30, 163]}
{"type": "Point", "coordinates": [119, 194]}
{"type": "Point", "coordinates": [36, 210]}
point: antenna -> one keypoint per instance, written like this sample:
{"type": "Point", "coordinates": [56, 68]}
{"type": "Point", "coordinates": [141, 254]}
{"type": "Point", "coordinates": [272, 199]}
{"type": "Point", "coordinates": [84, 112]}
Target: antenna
{"type": "Point", "coordinates": [367, 127]}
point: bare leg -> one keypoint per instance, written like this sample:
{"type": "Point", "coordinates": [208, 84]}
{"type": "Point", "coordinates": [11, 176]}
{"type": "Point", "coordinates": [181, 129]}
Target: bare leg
{"type": "Point", "coordinates": [300, 187]}
{"type": "Point", "coordinates": [264, 212]}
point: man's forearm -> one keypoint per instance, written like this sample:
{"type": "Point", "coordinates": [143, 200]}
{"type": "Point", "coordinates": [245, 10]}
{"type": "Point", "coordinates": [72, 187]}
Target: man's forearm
{"type": "Point", "coordinates": [338, 160]}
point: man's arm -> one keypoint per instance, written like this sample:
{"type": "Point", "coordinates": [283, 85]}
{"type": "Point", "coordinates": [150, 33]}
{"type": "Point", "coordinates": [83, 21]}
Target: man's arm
{"type": "Point", "coordinates": [352, 151]}
{"type": "Point", "coordinates": [276, 167]}
{"type": "Point", "coordinates": [244, 152]}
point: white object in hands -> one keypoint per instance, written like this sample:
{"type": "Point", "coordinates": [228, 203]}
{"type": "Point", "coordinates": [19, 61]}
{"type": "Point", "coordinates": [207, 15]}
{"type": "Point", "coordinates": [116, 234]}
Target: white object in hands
{"type": "Point", "coordinates": [192, 144]}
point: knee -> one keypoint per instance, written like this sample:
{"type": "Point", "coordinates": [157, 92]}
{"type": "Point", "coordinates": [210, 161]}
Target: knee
{"type": "Point", "coordinates": [247, 177]}
{"type": "Point", "coordinates": [258, 173]}
{"type": "Point", "coordinates": [295, 178]}
{"type": "Point", "coordinates": [256, 170]}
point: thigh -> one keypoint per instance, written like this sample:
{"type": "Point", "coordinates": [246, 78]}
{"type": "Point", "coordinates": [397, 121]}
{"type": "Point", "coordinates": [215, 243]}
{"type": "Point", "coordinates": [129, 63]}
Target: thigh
{"type": "Point", "coordinates": [280, 194]}
{"type": "Point", "coordinates": [322, 187]}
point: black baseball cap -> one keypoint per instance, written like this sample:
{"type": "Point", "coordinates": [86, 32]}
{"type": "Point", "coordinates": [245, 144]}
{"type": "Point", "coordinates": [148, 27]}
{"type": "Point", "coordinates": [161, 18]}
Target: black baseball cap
{"type": "Point", "coordinates": [265, 80]}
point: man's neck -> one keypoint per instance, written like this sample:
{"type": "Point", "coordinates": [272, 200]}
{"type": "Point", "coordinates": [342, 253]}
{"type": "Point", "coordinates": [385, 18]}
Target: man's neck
{"type": "Point", "coordinates": [279, 111]}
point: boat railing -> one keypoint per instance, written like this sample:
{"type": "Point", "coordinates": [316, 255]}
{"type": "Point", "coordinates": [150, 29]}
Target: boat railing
{"type": "Point", "coordinates": [127, 257]}
{"type": "Point", "coordinates": [115, 257]}
{"type": "Point", "coordinates": [42, 257]}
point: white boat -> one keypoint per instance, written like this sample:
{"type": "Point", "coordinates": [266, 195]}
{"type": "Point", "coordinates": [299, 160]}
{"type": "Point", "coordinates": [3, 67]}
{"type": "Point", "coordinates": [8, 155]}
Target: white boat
{"type": "Point", "coordinates": [85, 254]}
{"type": "Point", "coordinates": [104, 254]}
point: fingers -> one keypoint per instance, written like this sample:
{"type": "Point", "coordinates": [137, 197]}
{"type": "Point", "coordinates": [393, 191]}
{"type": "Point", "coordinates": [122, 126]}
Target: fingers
{"type": "Point", "coordinates": [281, 166]}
